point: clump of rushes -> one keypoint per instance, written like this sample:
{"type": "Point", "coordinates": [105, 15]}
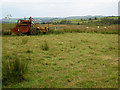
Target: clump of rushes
{"type": "Point", "coordinates": [45, 46]}
{"type": "Point", "coordinates": [14, 70]}
{"type": "Point", "coordinates": [29, 51]}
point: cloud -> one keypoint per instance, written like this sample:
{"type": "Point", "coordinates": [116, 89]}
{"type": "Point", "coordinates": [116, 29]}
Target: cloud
{"type": "Point", "coordinates": [61, 1]}
{"type": "Point", "coordinates": [22, 8]}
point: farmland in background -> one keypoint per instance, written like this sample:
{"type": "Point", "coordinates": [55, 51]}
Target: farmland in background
{"type": "Point", "coordinates": [107, 25]}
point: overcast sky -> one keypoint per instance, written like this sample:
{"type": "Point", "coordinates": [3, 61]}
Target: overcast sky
{"type": "Point", "coordinates": [58, 8]}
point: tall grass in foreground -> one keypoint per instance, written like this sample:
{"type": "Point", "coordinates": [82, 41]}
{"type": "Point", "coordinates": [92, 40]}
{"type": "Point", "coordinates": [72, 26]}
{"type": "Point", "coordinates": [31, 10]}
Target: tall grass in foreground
{"type": "Point", "coordinates": [14, 70]}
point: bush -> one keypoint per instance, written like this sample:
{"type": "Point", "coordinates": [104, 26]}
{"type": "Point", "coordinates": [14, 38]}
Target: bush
{"type": "Point", "coordinates": [45, 46]}
{"type": "Point", "coordinates": [14, 70]}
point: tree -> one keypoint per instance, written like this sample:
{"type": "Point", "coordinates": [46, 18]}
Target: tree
{"type": "Point", "coordinates": [90, 19]}
{"type": "Point", "coordinates": [78, 23]}
{"type": "Point", "coordinates": [43, 23]}
{"type": "Point", "coordinates": [95, 18]}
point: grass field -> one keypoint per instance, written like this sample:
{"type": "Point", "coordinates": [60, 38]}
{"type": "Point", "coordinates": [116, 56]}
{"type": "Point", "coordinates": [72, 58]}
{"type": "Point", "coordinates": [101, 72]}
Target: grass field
{"type": "Point", "coordinates": [71, 60]}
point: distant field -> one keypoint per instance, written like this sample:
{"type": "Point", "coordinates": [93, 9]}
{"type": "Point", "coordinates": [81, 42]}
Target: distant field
{"type": "Point", "coordinates": [105, 21]}
{"type": "Point", "coordinates": [63, 28]}
{"type": "Point", "coordinates": [73, 60]}
{"type": "Point", "coordinates": [8, 26]}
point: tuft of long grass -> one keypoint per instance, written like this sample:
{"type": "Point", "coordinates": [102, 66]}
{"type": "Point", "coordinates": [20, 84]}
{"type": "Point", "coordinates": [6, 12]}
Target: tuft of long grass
{"type": "Point", "coordinates": [45, 46]}
{"type": "Point", "coordinates": [14, 70]}
{"type": "Point", "coordinates": [24, 41]}
{"type": "Point", "coordinates": [29, 51]}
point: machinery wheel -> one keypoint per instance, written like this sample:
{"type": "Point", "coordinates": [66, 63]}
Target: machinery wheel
{"type": "Point", "coordinates": [28, 33]}
{"type": "Point", "coordinates": [44, 32]}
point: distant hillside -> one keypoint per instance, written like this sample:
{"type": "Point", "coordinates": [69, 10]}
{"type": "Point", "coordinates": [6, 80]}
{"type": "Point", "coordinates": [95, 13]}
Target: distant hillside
{"type": "Point", "coordinates": [9, 20]}
{"type": "Point", "coordinates": [48, 19]}
{"type": "Point", "coordinates": [83, 17]}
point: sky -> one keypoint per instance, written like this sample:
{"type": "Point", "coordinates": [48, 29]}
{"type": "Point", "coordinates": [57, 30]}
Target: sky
{"type": "Point", "coordinates": [58, 8]}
